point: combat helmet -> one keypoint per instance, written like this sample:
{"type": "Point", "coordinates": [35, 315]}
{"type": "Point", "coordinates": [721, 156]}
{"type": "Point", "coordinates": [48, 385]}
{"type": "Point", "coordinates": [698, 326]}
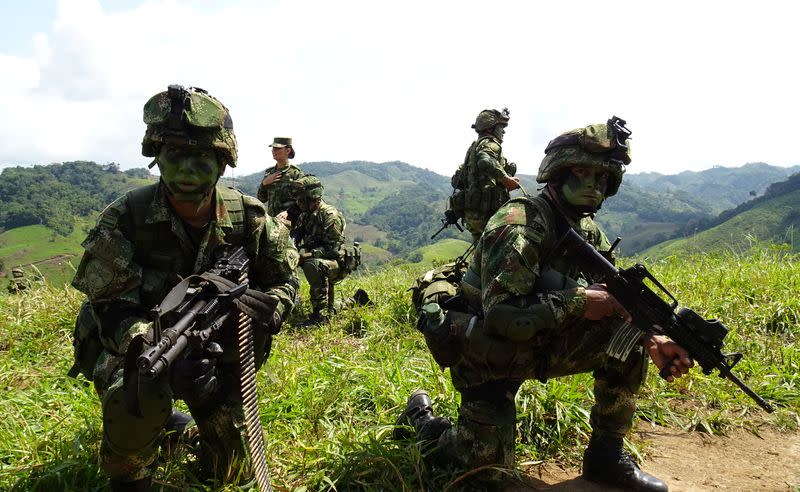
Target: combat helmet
{"type": "Point", "coordinates": [309, 186]}
{"type": "Point", "coordinates": [489, 118]}
{"type": "Point", "coordinates": [188, 116]}
{"type": "Point", "coordinates": [604, 146]}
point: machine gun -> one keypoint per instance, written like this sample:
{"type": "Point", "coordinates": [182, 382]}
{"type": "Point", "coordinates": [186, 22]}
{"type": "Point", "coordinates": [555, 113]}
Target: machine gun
{"type": "Point", "coordinates": [199, 311]}
{"type": "Point", "coordinates": [450, 218]}
{"type": "Point", "coordinates": [701, 338]}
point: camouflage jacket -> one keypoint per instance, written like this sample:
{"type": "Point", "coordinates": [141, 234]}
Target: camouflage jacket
{"type": "Point", "coordinates": [140, 249]}
{"type": "Point", "coordinates": [517, 247]}
{"type": "Point", "coordinates": [279, 196]}
{"type": "Point", "coordinates": [321, 232]}
{"type": "Point", "coordinates": [486, 165]}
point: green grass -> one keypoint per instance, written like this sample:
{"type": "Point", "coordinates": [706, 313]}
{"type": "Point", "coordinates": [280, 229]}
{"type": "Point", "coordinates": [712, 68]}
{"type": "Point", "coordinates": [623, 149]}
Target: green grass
{"type": "Point", "coordinates": [330, 395]}
{"type": "Point", "coordinates": [439, 252]}
{"type": "Point", "coordinates": [53, 255]}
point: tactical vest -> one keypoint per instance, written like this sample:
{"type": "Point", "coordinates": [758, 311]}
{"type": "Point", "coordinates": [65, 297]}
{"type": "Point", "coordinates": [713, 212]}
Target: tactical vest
{"type": "Point", "coordinates": [482, 194]}
{"type": "Point", "coordinates": [161, 260]}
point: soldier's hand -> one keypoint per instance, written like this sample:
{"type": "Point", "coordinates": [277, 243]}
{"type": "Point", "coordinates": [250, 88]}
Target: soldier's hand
{"type": "Point", "coordinates": [668, 356]}
{"type": "Point", "coordinates": [271, 178]}
{"type": "Point", "coordinates": [511, 183]}
{"type": "Point", "coordinates": [601, 304]}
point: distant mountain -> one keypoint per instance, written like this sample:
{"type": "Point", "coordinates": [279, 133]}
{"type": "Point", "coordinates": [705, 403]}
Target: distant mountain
{"type": "Point", "coordinates": [773, 217]}
{"type": "Point", "coordinates": [392, 208]}
{"type": "Point", "coordinates": [721, 187]}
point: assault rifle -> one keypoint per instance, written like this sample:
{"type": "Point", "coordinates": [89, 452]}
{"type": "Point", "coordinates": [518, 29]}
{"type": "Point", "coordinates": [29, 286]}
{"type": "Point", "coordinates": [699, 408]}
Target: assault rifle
{"type": "Point", "coordinates": [702, 339]}
{"type": "Point", "coordinates": [449, 218]}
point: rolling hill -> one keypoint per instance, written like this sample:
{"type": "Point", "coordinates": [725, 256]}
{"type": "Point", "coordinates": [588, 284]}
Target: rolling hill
{"type": "Point", "coordinates": [773, 217]}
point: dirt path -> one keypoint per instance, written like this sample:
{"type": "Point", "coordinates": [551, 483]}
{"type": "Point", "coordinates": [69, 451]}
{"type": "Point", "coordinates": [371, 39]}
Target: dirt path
{"type": "Point", "coordinates": [695, 462]}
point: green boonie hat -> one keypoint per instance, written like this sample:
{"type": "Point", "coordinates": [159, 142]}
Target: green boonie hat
{"type": "Point", "coordinates": [281, 142]}
{"type": "Point", "coordinates": [188, 117]}
{"type": "Point", "coordinates": [604, 146]}
{"type": "Point", "coordinates": [309, 186]}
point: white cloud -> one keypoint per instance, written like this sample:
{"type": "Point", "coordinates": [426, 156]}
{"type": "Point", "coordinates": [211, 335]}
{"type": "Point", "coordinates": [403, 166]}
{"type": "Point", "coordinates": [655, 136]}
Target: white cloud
{"type": "Point", "coordinates": [700, 83]}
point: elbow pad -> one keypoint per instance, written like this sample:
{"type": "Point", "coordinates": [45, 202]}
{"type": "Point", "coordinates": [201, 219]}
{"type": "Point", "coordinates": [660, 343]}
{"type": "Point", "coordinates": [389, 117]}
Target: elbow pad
{"type": "Point", "coordinates": [520, 324]}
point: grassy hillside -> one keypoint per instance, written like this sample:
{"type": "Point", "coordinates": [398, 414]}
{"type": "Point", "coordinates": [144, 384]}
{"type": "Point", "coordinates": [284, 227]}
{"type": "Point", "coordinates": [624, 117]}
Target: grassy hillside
{"type": "Point", "coordinates": [329, 399]}
{"type": "Point", "coordinates": [52, 254]}
{"type": "Point", "coordinates": [439, 252]}
{"type": "Point", "coordinates": [776, 220]}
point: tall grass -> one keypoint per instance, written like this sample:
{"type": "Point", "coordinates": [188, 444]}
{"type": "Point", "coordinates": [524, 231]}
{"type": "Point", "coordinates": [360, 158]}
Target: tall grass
{"type": "Point", "coordinates": [330, 395]}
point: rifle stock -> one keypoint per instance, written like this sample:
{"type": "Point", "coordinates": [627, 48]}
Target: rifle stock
{"type": "Point", "coordinates": [701, 338]}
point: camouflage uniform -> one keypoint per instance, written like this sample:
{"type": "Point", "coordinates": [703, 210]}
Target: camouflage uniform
{"type": "Point", "coordinates": [138, 251]}
{"type": "Point", "coordinates": [279, 196]}
{"type": "Point", "coordinates": [125, 272]}
{"type": "Point", "coordinates": [508, 263]}
{"type": "Point", "coordinates": [18, 282]}
{"type": "Point", "coordinates": [533, 300]}
{"type": "Point", "coordinates": [321, 233]}
{"type": "Point", "coordinates": [485, 169]}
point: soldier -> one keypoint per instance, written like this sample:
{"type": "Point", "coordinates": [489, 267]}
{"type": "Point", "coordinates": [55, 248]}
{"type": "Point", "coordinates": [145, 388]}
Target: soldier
{"type": "Point", "coordinates": [542, 319]}
{"type": "Point", "coordinates": [18, 282]}
{"type": "Point", "coordinates": [143, 244]}
{"type": "Point", "coordinates": [276, 189]}
{"type": "Point", "coordinates": [486, 176]}
{"type": "Point", "coordinates": [320, 239]}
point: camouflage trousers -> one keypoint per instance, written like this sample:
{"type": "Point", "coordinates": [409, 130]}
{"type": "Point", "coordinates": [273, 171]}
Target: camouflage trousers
{"type": "Point", "coordinates": [321, 275]}
{"type": "Point", "coordinates": [222, 453]}
{"type": "Point", "coordinates": [486, 428]}
{"type": "Point", "coordinates": [475, 222]}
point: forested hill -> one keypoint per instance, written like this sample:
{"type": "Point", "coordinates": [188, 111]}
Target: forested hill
{"type": "Point", "coordinates": [772, 217]}
{"type": "Point", "coordinates": [53, 195]}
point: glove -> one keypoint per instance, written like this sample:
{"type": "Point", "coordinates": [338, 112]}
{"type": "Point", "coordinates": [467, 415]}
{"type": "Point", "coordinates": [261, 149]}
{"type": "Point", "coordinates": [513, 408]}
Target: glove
{"type": "Point", "coordinates": [194, 377]}
{"type": "Point", "coordinates": [262, 307]}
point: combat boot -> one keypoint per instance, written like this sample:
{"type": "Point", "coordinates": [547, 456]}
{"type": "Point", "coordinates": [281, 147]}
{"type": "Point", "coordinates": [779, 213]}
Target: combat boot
{"type": "Point", "coordinates": [606, 461]}
{"type": "Point", "coordinates": [419, 415]}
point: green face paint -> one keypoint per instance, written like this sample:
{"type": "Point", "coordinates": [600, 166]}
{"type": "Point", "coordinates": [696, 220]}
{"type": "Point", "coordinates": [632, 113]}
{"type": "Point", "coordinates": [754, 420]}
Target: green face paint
{"type": "Point", "coordinates": [188, 173]}
{"type": "Point", "coordinates": [584, 188]}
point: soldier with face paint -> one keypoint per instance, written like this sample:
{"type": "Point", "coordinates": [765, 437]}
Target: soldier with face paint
{"type": "Point", "coordinates": [144, 243]}
{"type": "Point", "coordinates": [543, 319]}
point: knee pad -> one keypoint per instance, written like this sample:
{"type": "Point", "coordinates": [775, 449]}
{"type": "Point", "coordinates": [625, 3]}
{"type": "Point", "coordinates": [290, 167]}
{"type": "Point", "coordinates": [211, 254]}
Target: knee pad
{"type": "Point", "coordinates": [127, 433]}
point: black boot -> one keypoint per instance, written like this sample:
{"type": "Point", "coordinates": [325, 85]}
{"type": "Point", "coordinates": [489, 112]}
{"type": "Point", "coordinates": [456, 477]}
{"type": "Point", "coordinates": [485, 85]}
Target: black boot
{"type": "Point", "coordinates": [606, 461]}
{"type": "Point", "coordinates": [419, 414]}
{"type": "Point", "coordinates": [141, 485]}
{"type": "Point", "coordinates": [175, 426]}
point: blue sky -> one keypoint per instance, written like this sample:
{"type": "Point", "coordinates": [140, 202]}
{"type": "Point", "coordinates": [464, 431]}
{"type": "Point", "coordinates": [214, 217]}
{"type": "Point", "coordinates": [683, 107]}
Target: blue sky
{"type": "Point", "coordinates": [700, 83]}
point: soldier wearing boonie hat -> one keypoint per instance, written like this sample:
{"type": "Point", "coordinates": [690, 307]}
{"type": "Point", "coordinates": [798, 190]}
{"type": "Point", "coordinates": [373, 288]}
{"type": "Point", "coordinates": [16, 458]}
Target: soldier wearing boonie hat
{"type": "Point", "coordinates": [276, 190]}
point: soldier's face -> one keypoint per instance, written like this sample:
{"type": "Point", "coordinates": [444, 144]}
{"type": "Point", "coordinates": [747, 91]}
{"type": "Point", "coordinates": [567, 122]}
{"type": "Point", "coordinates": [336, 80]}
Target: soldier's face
{"type": "Point", "coordinates": [500, 132]}
{"type": "Point", "coordinates": [188, 173]}
{"type": "Point", "coordinates": [281, 154]}
{"type": "Point", "coordinates": [307, 204]}
{"type": "Point", "coordinates": [584, 188]}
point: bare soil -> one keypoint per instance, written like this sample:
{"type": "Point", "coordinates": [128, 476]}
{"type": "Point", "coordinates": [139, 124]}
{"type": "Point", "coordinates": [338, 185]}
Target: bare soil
{"type": "Point", "coordinates": [694, 462]}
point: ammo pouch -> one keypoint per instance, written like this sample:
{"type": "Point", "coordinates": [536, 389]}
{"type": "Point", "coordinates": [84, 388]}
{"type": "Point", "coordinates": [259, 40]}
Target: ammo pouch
{"type": "Point", "coordinates": [457, 202]}
{"type": "Point", "coordinates": [86, 343]}
{"type": "Point", "coordinates": [459, 180]}
{"type": "Point", "coordinates": [350, 258]}
{"type": "Point", "coordinates": [485, 200]}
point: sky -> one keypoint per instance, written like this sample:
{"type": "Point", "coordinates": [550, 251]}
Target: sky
{"type": "Point", "coordinates": [700, 84]}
